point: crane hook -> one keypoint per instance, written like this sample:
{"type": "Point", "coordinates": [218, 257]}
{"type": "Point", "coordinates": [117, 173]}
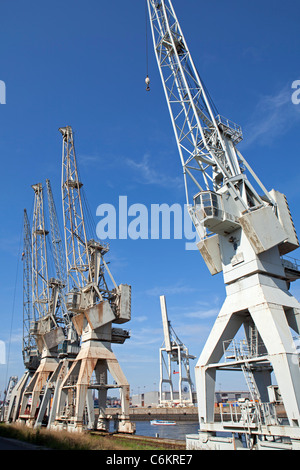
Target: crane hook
{"type": "Point", "coordinates": [147, 81]}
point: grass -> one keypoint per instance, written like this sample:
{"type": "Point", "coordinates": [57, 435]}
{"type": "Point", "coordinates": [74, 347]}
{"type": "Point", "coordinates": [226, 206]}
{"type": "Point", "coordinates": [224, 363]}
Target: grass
{"type": "Point", "coordinates": [59, 440]}
{"type": "Point", "coordinates": [64, 440]}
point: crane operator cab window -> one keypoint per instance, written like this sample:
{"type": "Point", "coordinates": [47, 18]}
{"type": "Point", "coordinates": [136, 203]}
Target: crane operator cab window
{"type": "Point", "coordinates": [207, 203]}
{"type": "Point", "coordinates": [209, 210]}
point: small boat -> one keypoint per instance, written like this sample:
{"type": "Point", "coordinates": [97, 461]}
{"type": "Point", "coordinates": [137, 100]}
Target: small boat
{"type": "Point", "coordinates": [161, 422]}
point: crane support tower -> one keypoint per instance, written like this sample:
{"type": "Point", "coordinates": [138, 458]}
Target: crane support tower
{"type": "Point", "coordinates": [46, 325]}
{"type": "Point", "coordinates": [93, 308]}
{"type": "Point", "coordinates": [174, 351]}
{"type": "Point", "coordinates": [244, 231]}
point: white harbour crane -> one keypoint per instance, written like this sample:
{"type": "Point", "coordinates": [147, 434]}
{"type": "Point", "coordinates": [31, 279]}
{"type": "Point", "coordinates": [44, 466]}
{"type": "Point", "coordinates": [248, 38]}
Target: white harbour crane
{"type": "Point", "coordinates": [244, 231]}
{"type": "Point", "coordinates": [173, 352]}
{"type": "Point", "coordinates": [93, 308]}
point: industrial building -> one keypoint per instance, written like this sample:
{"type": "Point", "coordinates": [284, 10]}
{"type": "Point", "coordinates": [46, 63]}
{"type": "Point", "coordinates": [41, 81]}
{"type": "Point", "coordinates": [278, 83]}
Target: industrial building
{"type": "Point", "coordinates": [153, 398]}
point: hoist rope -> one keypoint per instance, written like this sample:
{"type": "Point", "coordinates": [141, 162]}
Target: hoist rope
{"type": "Point", "coordinates": [146, 33]}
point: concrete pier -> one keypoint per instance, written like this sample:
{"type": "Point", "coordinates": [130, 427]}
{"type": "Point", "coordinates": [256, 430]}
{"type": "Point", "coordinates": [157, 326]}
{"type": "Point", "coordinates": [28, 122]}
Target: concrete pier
{"type": "Point", "coordinates": [189, 413]}
{"type": "Point", "coordinates": [145, 413]}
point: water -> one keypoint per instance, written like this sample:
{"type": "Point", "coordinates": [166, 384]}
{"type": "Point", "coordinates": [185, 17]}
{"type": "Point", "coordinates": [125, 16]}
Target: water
{"type": "Point", "coordinates": [178, 431]}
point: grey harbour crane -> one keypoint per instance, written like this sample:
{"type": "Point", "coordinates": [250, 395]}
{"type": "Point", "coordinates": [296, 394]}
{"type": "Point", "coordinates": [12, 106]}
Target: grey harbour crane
{"type": "Point", "coordinates": [69, 347]}
{"type": "Point", "coordinates": [32, 396]}
{"type": "Point", "coordinates": [31, 356]}
{"type": "Point", "coordinates": [47, 327]}
{"type": "Point", "coordinates": [244, 231]}
{"type": "Point", "coordinates": [93, 308]}
{"type": "Point", "coordinates": [59, 312]}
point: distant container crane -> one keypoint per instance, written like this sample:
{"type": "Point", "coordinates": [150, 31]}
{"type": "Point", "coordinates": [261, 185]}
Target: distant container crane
{"type": "Point", "coordinates": [173, 352]}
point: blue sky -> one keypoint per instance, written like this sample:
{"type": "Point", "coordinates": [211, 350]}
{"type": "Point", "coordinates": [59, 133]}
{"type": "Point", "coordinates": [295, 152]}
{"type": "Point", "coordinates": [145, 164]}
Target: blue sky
{"type": "Point", "coordinates": [84, 64]}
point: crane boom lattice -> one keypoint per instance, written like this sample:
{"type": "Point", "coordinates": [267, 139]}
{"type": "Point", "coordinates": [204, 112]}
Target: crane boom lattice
{"type": "Point", "coordinates": [77, 258]}
{"type": "Point", "coordinates": [40, 280]}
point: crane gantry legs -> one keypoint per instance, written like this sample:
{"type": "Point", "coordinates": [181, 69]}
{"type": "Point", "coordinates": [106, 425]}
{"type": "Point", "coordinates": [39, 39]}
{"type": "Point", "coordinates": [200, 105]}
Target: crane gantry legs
{"type": "Point", "coordinates": [273, 311]}
{"type": "Point", "coordinates": [95, 359]}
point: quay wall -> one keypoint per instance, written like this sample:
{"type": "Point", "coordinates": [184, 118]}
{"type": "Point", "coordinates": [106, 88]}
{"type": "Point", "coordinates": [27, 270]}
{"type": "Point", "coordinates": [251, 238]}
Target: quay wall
{"type": "Point", "coordinates": [144, 413]}
{"type": "Point", "coordinates": [177, 414]}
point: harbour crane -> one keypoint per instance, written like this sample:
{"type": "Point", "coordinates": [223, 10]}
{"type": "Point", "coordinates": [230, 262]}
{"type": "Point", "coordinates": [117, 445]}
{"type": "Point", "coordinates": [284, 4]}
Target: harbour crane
{"type": "Point", "coordinates": [68, 349]}
{"type": "Point", "coordinates": [30, 353]}
{"type": "Point", "coordinates": [93, 307]}
{"type": "Point", "coordinates": [244, 230]}
{"type": "Point", "coordinates": [12, 382]}
{"type": "Point", "coordinates": [47, 324]}
{"type": "Point", "coordinates": [174, 351]}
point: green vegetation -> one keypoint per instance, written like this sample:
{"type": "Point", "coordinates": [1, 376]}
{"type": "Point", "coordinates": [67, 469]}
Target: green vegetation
{"type": "Point", "coordinates": [63, 440]}
{"type": "Point", "coordinates": [59, 440]}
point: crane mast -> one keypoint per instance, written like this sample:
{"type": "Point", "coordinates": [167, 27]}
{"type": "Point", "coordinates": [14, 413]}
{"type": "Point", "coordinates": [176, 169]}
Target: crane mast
{"type": "Point", "coordinates": [57, 246]}
{"type": "Point", "coordinates": [40, 281]}
{"type": "Point", "coordinates": [244, 230]}
{"type": "Point", "coordinates": [77, 258]}
{"type": "Point", "coordinates": [29, 350]}
{"type": "Point", "coordinates": [60, 268]}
